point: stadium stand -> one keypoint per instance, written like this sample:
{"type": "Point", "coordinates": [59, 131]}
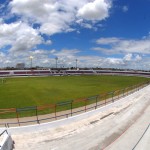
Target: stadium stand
{"type": "Point", "coordinates": [70, 72]}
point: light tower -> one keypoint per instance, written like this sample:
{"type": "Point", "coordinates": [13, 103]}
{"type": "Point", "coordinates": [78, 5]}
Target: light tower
{"type": "Point", "coordinates": [76, 63]}
{"type": "Point", "coordinates": [31, 57]}
{"type": "Point", "coordinates": [56, 58]}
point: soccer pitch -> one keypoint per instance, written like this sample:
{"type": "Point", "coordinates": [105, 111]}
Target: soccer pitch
{"type": "Point", "coordinates": [36, 91]}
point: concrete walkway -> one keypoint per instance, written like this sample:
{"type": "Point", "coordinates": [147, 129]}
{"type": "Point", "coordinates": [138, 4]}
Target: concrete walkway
{"type": "Point", "coordinates": [134, 137]}
{"type": "Point", "coordinates": [126, 119]}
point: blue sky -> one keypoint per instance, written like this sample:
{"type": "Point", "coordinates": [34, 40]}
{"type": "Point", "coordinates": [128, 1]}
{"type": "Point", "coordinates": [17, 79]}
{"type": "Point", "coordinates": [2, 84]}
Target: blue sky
{"type": "Point", "coordinates": [99, 33]}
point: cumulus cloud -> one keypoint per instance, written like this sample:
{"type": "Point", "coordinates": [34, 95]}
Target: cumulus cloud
{"type": "Point", "coordinates": [128, 57]}
{"type": "Point", "coordinates": [67, 53]}
{"type": "Point", "coordinates": [138, 58]}
{"type": "Point", "coordinates": [119, 45]}
{"type": "Point", "coordinates": [131, 52]}
{"type": "Point", "coordinates": [50, 14]}
{"type": "Point", "coordinates": [114, 61]}
{"type": "Point", "coordinates": [2, 57]}
{"type": "Point", "coordinates": [33, 18]}
{"type": "Point", "coordinates": [1, 20]}
{"type": "Point", "coordinates": [95, 10]}
{"type": "Point", "coordinates": [48, 42]}
{"type": "Point", "coordinates": [19, 35]}
{"type": "Point", "coordinates": [125, 8]}
{"type": "Point", "coordinates": [67, 58]}
{"type": "Point", "coordinates": [107, 41]}
{"type": "Point", "coordinates": [56, 16]}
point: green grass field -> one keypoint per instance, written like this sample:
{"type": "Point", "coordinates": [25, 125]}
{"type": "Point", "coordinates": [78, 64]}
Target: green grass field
{"type": "Point", "coordinates": [36, 91]}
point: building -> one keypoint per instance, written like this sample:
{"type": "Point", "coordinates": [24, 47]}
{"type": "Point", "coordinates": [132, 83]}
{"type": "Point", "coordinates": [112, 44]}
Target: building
{"type": "Point", "coordinates": [20, 66]}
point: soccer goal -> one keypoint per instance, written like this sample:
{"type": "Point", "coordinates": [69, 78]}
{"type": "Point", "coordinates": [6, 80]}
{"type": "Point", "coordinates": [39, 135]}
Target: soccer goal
{"type": "Point", "coordinates": [3, 81]}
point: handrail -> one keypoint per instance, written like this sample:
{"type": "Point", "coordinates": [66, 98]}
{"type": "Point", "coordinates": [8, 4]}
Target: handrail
{"type": "Point", "coordinates": [7, 142]}
{"type": "Point", "coordinates": [3, 132]}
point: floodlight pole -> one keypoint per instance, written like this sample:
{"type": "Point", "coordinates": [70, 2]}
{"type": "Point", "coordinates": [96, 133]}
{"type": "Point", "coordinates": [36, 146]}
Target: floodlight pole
{"type": "Point", "coordinates": [31, 57]}
{"type": "Point", "coordinates": [76, 63]}
{"type": "Point", "coordinates": [56, 61]}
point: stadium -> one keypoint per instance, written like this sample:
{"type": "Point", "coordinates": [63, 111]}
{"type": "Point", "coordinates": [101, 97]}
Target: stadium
{"type": "Point", "coordinates": [27, 117]}
{"type": "Point", "coordinates": [74, 75]}
{"type": "Point", "coordinates": [70, 72]}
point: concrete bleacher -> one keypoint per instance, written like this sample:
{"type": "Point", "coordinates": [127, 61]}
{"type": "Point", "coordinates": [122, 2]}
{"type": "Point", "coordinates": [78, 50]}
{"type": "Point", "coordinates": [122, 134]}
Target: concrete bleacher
{"type": "Point", "coordinates": [19, 73]}
{"type": "Point", "coordinates": [79, 72]}
{"type": "Point", "coordinates": [2, 73]}
{"type": "Point", "coordinates": [60, 72]}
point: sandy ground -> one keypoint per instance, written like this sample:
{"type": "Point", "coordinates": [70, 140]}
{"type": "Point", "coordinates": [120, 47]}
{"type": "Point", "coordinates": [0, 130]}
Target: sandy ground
{"type": "Point", "coordinates": [125, 121]}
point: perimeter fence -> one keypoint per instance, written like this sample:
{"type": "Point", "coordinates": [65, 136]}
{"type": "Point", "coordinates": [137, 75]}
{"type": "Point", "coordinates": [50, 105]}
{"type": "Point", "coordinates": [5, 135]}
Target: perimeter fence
{"type": "Point", "coordinates": [20, 116]}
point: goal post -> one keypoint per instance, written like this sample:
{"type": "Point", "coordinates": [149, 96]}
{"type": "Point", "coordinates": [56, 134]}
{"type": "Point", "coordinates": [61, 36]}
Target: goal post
{"type": "Point", "coordinates": [3, 81]}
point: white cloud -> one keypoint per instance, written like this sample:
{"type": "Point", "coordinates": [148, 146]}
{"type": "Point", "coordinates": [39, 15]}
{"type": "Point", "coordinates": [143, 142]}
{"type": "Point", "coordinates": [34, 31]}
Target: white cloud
{"type": "Point", "coordinates": [138, 58]}
{"type": "Point", "coordinates": [2, 57]}
{"type": "Point", "coordinates": [128, 57]}
{"type": "Point", "coordinates": [67, 58]}
{"type": "Point", "coordinates": [55, 16]}
{"type": "Point", "coordinates": [125, 8]}
{"type": "Point", "coordinates": [53, 28]}
{"type": "Point", "coordinates": [119, 46]}
{"type": "Point", "coordinates": [19, 35]}
{"type": "Point", "coordinates": [67, 53]}
{"type": "Point", "coordinates": [53, 51]}
{"type": "Point", "coordinates": [107, 41]}
{"type": "Point", "coordinates": [48, 42]}
{"type": "Point", "coordinates": [95, 10]}
{"type": "Point", "coordinates": [113, 61]}
{"type": "Point", "coordinates": [104, 50]}
{"type": "Point", "coordinates": [1, 20]}
{"type": "Point", "coordinates": [86, 25]}
{"type": "Point", "coordinates": [46, 61]}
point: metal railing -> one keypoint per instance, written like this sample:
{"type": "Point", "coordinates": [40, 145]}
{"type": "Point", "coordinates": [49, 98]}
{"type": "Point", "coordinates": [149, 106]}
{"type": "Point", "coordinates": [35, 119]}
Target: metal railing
{"type": "Point", "coordinates": [5, 131]}
{"type": "Point", "coordinates": [7, 143]}
{"type": "Point", "coordinates": [63, 109]}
